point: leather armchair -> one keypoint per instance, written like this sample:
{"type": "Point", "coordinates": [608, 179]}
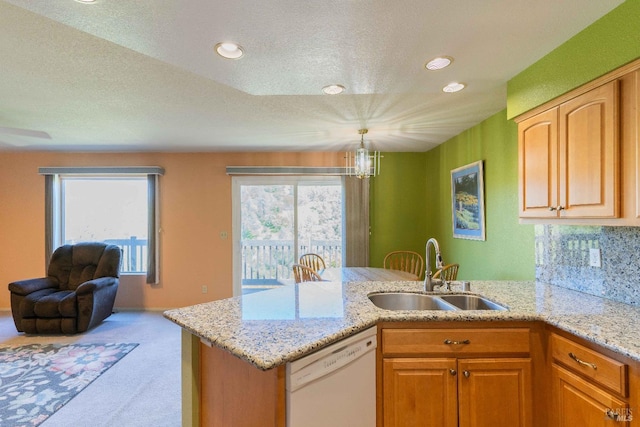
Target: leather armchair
{"type": "Point", "coordinates": [77, 294]}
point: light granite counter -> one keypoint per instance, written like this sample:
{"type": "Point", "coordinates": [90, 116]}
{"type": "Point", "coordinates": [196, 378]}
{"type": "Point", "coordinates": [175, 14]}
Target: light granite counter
{"type": "Point", "coordinates": [270, 328]}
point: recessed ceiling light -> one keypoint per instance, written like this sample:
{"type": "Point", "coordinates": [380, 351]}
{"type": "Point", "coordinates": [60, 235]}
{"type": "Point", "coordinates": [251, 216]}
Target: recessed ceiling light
{"type": "Point", "coordinates": [229, 50]}
{"type": "Point", "coordinates": [453, 87]}
{"type": "Point", "coordinates": [333, 89]}
{"type": "Point", "coordinates": [86, 1]}
{"type": "Point", "coordinates": [439, 63]}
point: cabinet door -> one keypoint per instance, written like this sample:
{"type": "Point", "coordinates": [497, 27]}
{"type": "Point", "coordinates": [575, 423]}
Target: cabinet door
{"type": "Point", "coordinates": [577, 402]}
{"type": "Point", "coordinates": [420, 392]}
{"type": "Point", "coordinates": [538, 165]}
{"type": "Point", "coordinates": [495, 392]}
{"type": "Point", "coordinates": [589, 154]}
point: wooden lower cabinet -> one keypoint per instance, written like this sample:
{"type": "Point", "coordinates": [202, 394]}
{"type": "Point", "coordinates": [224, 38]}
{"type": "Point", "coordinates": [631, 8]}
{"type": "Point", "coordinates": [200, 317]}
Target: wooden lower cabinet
{"type": "Point", "coordinates": [589, 388]}
{"type": "Point", "coordinates": [440, 375]}
{"type": "Point", "coordinates": [577, 402]}
{"type": "Point", "coordinates": [420, 392]}
{"type": "Point", "coordinates": [494, 393]}
{"type": "Point", "coordinates": [450, 392]}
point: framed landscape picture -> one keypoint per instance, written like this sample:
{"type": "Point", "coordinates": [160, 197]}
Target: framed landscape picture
{"type": "Point", "coordinates": [467, 200]}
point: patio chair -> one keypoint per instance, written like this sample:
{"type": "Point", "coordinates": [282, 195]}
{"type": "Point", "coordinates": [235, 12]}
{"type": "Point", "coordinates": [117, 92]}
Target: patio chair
{"type": "Point", "coordinates": [302, 273]}
{"type": "Point", "coordinates": [313, 261]}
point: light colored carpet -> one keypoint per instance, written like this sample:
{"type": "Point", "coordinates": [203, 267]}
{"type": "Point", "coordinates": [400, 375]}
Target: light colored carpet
{"type": "Point", "coordinates": [141, 390]}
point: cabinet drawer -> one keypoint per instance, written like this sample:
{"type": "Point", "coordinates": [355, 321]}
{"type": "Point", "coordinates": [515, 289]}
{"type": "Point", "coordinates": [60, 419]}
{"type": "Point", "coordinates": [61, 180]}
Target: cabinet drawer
{"type": "Point", "coordinates": [455, 342]}
{"type": "Point", "coordinates": [589, 363]}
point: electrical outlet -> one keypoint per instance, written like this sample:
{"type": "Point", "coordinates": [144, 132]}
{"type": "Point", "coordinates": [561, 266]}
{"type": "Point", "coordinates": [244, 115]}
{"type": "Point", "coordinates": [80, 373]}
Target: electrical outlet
{"type": "Point", "coordinates": [594, 258]}
{"type": "Point", "coordinates": [224, 235]}
{"type": "Point", "coordinates": [205, 289]}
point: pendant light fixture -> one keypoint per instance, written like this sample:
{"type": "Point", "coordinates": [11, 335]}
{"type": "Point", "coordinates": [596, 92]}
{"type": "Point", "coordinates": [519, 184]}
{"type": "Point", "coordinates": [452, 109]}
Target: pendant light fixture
{"type": "Point", "coordinates": [363, 163]}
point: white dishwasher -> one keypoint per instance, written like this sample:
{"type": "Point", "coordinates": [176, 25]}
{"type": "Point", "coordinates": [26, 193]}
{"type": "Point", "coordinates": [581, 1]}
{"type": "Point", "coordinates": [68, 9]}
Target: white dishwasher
{"type": "Point", "coordinates": [335, 386]}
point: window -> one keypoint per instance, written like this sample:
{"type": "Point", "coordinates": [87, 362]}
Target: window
{"type": "Point", "coordinates": [117, 206]}
{"type": "Point", "coordinates": [110, 210]}
{"type": "Point", "coordinates": [280, 218]}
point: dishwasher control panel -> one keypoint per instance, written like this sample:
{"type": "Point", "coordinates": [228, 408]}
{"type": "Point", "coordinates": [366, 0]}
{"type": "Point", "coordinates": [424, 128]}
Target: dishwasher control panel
{"type": "Point", "coordinates": [329, 359]}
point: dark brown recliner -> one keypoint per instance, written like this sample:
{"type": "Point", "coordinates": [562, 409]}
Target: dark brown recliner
{"type": "Point", "coordinates": [77, 294]}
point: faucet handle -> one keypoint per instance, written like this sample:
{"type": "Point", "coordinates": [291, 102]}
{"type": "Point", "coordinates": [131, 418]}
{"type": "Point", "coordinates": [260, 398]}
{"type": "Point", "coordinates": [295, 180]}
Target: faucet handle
{"type": "Point", "coordinates": [439, 282]}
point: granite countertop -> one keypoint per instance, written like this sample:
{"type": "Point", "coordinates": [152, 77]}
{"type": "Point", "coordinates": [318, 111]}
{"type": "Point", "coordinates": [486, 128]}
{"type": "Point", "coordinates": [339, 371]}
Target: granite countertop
{"type": "Point", "coordinates": [270, 328]}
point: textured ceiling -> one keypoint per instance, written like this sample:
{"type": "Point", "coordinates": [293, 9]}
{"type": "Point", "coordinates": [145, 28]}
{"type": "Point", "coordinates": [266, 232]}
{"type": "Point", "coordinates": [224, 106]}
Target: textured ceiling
{"type": "Point", "coordinates": [131, 75]}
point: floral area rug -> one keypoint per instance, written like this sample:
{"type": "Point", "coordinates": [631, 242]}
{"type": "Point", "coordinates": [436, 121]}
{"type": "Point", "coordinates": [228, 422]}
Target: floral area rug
{"type": "Point", "coordinates": [38, 379]}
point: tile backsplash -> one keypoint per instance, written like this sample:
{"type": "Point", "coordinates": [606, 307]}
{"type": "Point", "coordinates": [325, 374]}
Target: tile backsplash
{"type": "Point", "coordinates": [562, 259]}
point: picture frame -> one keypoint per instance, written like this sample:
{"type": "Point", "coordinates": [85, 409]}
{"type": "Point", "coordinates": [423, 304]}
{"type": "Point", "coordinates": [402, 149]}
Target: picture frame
{"type": "Point", "coordinates": [467, 202]}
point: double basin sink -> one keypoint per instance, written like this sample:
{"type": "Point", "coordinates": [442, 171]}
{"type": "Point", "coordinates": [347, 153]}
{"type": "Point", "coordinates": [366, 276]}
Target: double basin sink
{"type": "Point", "coordinates": [416, 301]}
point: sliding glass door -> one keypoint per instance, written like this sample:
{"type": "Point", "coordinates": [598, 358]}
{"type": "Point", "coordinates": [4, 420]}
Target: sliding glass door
{"type": "Point", "coordinates": [277, 219]}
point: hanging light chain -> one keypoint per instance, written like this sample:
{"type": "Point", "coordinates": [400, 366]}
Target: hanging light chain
{"type": "Point", "coordinates": [362, 132]}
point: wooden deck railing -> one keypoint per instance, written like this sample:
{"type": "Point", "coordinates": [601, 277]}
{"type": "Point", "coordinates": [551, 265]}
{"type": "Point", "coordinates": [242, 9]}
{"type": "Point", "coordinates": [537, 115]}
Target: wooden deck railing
{"type": "Point", "coordinates": [271, 260]}
{"type": "Point", "coordinates": [134, 254]}
{"type": "Point", "coordinates": [267, 261]}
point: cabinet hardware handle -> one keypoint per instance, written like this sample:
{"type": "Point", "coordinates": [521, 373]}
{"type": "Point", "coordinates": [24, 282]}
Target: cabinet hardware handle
{"type": "Point", "coordinates": [453, 372]}
{"type": "Point", "coordinates": [582, 362]}
{"type": "Point", "coordinates": [552, 208]}
{"type": "Point", "coordinates": [457, 342]}
{"type": "Point", "coordinates": [466, 374]}
{"type": "Point", "coordinates": [613, 415]}
{"type": "Point", "coordinates": [560, 208]}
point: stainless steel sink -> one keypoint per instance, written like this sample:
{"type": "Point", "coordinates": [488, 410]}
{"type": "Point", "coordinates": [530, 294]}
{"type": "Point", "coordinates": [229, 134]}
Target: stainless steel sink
{"type": "Point", "coordinates": [472, 302]}
{"type": "Point", "coordinates": [416, 301]}
{"type": "Point", "coordinates": [408, 301]}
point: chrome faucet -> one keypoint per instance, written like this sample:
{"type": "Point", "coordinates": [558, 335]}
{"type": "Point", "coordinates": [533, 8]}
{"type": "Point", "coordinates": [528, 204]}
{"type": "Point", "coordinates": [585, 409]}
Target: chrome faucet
{"type": "Point", "coordinates": [428, 283]}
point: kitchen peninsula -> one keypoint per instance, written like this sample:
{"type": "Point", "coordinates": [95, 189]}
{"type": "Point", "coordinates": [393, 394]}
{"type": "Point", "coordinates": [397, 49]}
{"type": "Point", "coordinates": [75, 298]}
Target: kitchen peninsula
{"type": "Point", "coordinates": [255, 335]}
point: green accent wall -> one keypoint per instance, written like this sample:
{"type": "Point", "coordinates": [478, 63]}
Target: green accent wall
{"type": "Point", "coordinates": [411, 202]}
{"type": "Point", "coordinates": [508, 251]}
{"type": "Point", "coordinates": [605, 45]}
{"type": "Point", "coordinates": [399, 208]}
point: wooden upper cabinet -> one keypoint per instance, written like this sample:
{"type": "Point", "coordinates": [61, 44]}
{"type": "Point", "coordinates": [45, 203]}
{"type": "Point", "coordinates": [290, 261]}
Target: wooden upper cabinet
{"type": "Point", "coordinates": [569, 158]}
{"type": "Point", "coordinates": [589, 154]}
{"type": "Point", "coordinates": [538, 164]}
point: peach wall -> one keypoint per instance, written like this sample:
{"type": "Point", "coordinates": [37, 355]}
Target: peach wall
{"type": "Point", "coordinates": [195, 206]}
